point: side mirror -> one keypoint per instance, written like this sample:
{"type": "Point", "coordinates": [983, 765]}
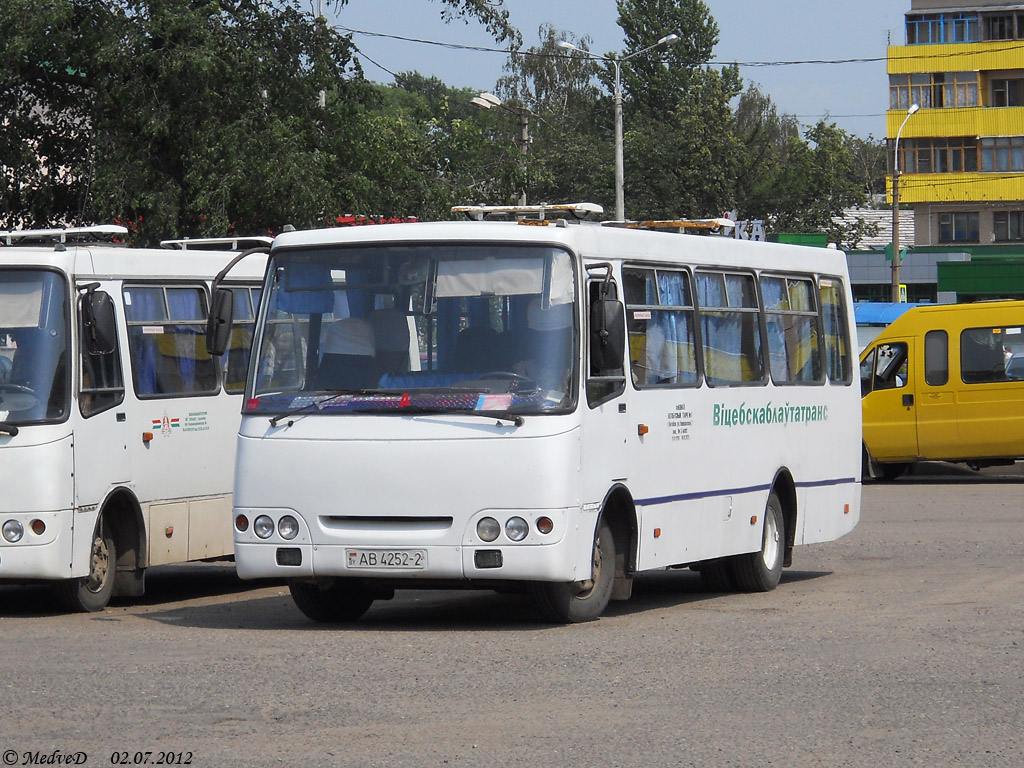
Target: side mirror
{"type": "Point", "coordinates": [607, 337]}
{"type": "Point", "coordinates": [98, 322]}
{"type": "Point", "coordinates": [218, 326]}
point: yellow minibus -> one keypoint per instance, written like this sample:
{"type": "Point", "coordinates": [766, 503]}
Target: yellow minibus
{"type": "Point", "coordinates": [945, 383]}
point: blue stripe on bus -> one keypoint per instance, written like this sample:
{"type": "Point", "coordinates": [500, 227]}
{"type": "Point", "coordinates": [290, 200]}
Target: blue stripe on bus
{"type": "Point", "coordinates": [735, 491]}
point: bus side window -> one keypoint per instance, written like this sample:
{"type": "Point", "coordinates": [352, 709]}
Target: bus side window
{"type": "Point", "coordinates": [102, 383]}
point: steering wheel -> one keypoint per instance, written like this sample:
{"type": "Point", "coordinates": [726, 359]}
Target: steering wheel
{"type": "Point", "coordinates": [19, 398]}
{"type": "Point", "coordinates": [516, 380]}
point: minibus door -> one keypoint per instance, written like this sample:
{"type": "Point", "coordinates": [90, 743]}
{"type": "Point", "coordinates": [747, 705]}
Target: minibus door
{"type": "Point", "coordinates": [889, 404]}
{"type": "Point", "coordinates": [605, 458]}
{"type": "Point", "coordinates": [101, 426]}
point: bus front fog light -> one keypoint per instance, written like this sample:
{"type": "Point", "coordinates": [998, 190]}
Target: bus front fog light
{"type": "Point", "coordinates": [516, 528]}
{"type": "Point", "coordinates": [488, 529]}
{"type": "Point", "coordinates": [288, 527]}
{"type": "Point", "coordinates": [242, 523]}
{"type": "Point", "coordinates": [263, 527]}
{"type": "Point", "coordinates": [38, 527]}
{"type": "Point", "coordinates": [13, 531]}
{"type": "Point", "coordinates": [545, 525]}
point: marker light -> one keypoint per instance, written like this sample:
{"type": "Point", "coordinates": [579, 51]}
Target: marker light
{"type": "Point", "coordinates": [545, 525]}
{"type": "Point", "coordinates": [488, 529]}
{"type": "Point", "coordinates": [516, 528]}
{"type": "Point", "coordinates": [288, 527]}
{"type": "Point", "coordinates": [263, 527]}
{"type": "Point", "coordinates": [242, 523]}
{"type": "Point", "coordinates": [13, 531]}
{"type": "Point", "coordinates": [38, 527]}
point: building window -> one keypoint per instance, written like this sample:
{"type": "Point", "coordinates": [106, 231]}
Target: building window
{"type": "Point", "coordinates": [1002, 27]}
{"type": "Point", "coordinates": [1008, 226]}
{"type": "Point", "coordinates": [1007, 93]}
{"type": "Point", "coordinates": [953, 155]}
{"type": "Point", "coordinates": [1002, 154]}
{"type": "Point", "coordinates": [905, 90]}
{"type": "Point", "coordinates": [943, 28]}
{"type": "Point", "coordinates": [955, 89]}
{"type": "Point", "coordinates": [958, 227]}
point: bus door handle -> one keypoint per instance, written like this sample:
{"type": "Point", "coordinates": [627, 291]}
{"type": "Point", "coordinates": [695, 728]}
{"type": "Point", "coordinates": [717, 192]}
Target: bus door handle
{"type": "Point", "coordinates": [908, 400]}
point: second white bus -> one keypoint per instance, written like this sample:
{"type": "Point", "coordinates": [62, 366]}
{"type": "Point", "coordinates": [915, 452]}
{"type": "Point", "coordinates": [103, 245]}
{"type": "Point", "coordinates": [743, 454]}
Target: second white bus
{"type": "Point", "coordinates": [561, 405]}
{"type": "Point", "coordinates": [117, 427]}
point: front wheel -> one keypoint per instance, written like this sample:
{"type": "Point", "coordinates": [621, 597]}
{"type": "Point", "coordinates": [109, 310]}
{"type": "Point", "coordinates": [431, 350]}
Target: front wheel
{"type": "Point", "coordinates": [92, 593]}
{"type": "Point", "coordinates": [334, 601]}
{"type": "Point", "coordinates": [580, 601]}
{"type": "Point", "coordinates": [761, 571]}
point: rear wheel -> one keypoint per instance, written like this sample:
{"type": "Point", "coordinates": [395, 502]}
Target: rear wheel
{"type": "Point", "coordinates": [331, 600]}
{"type": "Point", "coordinates": [92, 593]}
{"type": "Point", "coordinates": [761, 571]}
{"type": "Point", "coordinates": [581, 600]}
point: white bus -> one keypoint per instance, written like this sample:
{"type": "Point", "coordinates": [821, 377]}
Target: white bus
{"type": "Point", "coordinates": [551, 403]}
{"type": "Point", "coordinates": [117, 428]}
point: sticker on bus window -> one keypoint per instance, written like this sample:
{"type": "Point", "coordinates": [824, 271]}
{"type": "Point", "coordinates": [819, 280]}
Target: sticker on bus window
{"type": "Point", "coordinates": [642, 314]}
{"type": "Point", "coordinates": [154, 329]}
{"type": "Point", "coordinates": [494, 402]}
{"type": "Point", "coordinates": [1013, 331]}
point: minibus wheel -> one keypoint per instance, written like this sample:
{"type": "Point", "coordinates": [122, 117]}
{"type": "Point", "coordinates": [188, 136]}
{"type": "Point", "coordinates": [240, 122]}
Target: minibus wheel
{"type": "Point", "coordinates": [581, 600]}
{"type": "Point", "coordinates": [761, 571]}
{"type": "Point", "coordinates": [92, 593]}
{"type": "Point", "coordinates": [330, 600]}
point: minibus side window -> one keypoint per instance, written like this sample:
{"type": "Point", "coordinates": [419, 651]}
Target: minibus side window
{"type": "Point", "coordinates": [936, 358]}
{"type": "Point", "coordinates": [890, 370]}
{"type": "Point", "coordinates": [983, 355]}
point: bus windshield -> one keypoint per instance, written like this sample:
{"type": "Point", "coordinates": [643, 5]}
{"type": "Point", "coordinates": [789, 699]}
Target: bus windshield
{"type": "Point", "coordinates": [416, 328]}
{"type": "Point", "coordinates": [34, 336]}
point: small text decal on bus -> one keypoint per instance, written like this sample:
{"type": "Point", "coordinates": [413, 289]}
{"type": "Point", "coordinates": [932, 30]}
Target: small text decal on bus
{"type": "Point", "coordinates": [745, 415]}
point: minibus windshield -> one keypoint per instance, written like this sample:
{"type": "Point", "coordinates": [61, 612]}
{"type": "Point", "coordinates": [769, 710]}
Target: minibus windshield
{"type": "Point", "coordinates": [34, 342]}
{"type": "Point", "coordinates": [418, 328]}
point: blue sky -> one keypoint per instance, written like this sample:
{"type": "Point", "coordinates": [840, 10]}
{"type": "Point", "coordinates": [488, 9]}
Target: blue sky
{"type": "Point", "coordinates": [855, 95]}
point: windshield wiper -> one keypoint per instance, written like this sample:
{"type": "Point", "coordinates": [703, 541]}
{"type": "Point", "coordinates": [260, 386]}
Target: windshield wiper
{"type": "Point", "coordinates": [8, 429]}
{"type": "Point", "coordinates": [418, 410]}
{"type": "Point", "coordinates": [316, 405]}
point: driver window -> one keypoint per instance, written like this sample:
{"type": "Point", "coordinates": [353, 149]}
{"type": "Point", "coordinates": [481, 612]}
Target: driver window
{"type": "Point", "coordinates": [891, 368]}
{"type": "Point", "coordinates": [102, 384]}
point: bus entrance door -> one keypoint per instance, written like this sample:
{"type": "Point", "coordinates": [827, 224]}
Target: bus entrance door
{"type": "Point", "coordinates": [890, 409]}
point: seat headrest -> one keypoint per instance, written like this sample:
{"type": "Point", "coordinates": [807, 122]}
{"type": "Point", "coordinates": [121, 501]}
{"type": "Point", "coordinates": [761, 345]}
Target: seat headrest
{"type": "Point", "coordinates": [350, 336]}
{"type": "Point", "coordinates": [390, 330]}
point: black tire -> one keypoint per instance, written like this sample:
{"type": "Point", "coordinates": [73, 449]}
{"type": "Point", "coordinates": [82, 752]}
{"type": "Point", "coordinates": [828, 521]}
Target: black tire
{"type": "Point", "coordinates": [716, 575]}
{"type": "Point", "coordinates": [92, 593]}
{"type": "Point", "coordinates": [334, 601]}
{"type": "Point", "coordinates": [581, 601]}
{"type": "Point", "coordinates": [761, 571]}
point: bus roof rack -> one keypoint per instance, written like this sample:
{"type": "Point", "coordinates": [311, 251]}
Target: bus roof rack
{"type": "Point", "coordinates": [527, 212]}
{"type": "Point", "coordinates": [219, 243]}
{"type": "Point", "coordinates": [701, 226]}
{"type": "Point", "coordinates": [101, 233]}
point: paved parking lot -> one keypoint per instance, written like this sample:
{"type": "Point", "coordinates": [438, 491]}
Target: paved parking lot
{"type": "Point", "coordinates": [900, 644]}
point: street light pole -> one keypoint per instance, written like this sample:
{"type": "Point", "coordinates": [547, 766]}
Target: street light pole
{"type": "Point", "coordinates": [896, 208]}
{"type": "Point", "coordinates": [616, 62]}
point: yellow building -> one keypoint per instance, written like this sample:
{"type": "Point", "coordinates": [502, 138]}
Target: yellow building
{"type": "Point", "coordinates": [961, 156]}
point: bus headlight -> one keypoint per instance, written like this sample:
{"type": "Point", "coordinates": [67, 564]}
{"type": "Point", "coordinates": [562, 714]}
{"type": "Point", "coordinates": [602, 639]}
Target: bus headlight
{"type": "Point", "coordinates": [13, 531]}
{"type": "Point", "coordinates": [263, 527]}
{"type": "Point", "coordinates": [488, 529]}
{"type": "Point", "coordinates": [516, 528]}
{"type": "Point", "coordinates": [288, 527]}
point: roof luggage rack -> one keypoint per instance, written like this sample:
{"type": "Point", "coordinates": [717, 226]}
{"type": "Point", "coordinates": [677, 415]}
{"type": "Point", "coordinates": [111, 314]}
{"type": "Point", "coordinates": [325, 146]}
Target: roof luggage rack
{"type": "Point", "coordinates": [699, 226]}
{"type": "Point", "coordinates": [527, 213]}
{"type": "Point", "coordinates": [102, 233]}
{"type": "Point", "coordinates": [219, 243]}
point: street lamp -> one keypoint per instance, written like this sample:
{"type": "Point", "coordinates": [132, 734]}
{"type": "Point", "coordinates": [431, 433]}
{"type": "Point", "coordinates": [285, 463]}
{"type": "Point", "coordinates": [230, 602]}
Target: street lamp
{"type": "Point", "coordinates": [488, 101]}
{"type": "Point", "coordinates": [896, 208]}
{"type": "Point", "coordinates": [616, 62]}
